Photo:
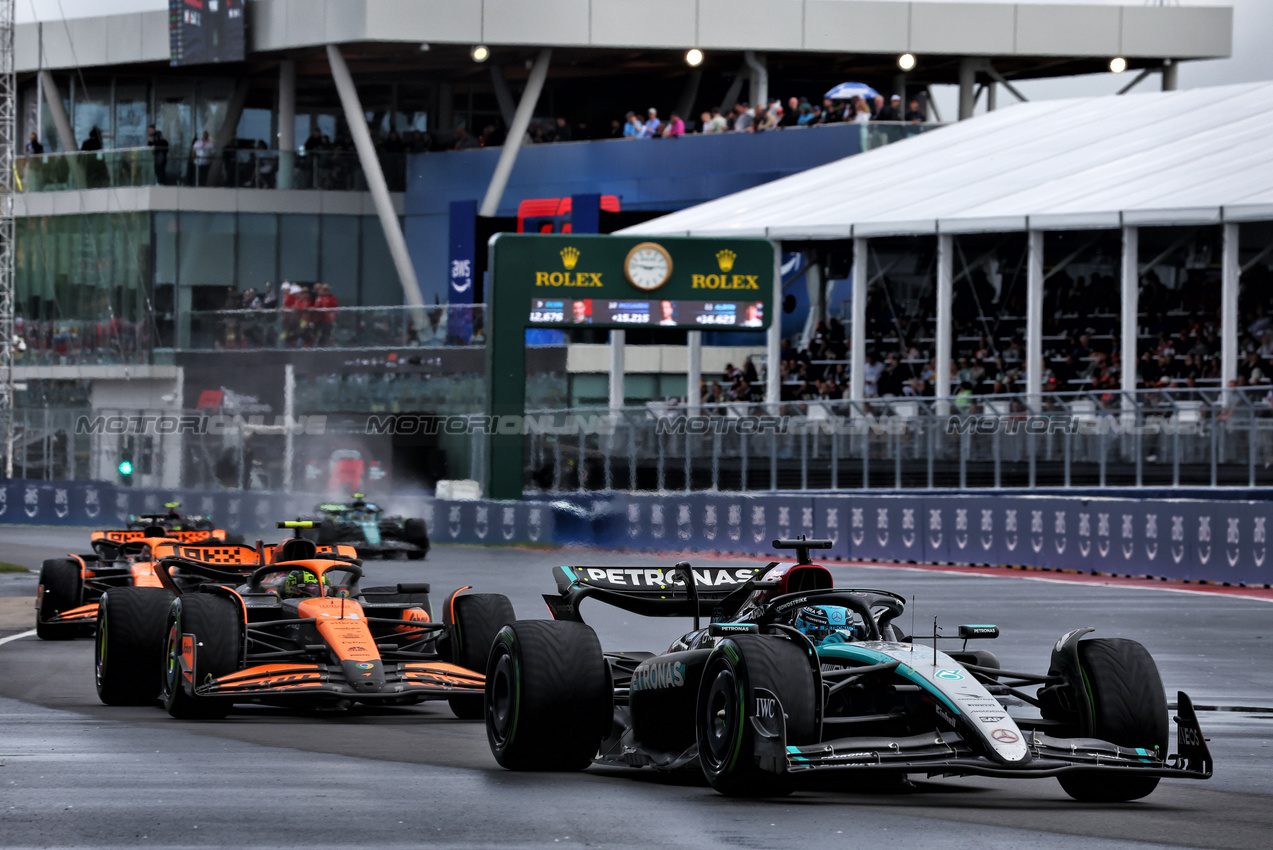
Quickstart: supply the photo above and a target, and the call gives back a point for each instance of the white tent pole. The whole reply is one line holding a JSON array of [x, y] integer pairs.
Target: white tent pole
[[1034, 320], [1229, 329], [773, 347], [1130, 324], [857, 328], [945, 288]]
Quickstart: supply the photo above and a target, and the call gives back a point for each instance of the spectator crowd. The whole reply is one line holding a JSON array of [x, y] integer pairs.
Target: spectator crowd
[[306, 317], [1178, 347]]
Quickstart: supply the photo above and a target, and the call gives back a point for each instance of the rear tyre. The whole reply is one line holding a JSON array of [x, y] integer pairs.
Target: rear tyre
[[216, 624], [727, 702], [475, 619], [63, 590], [128, 651], [1129, 708], [414, 531], [326, 532], [549, 702]]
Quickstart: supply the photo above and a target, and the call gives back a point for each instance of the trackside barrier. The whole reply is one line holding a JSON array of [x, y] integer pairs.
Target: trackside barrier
[[90, 503], [1194, 539], [1218, 541]]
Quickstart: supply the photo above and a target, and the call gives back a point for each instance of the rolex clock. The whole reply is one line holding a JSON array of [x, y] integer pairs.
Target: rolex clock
[[648, 266]]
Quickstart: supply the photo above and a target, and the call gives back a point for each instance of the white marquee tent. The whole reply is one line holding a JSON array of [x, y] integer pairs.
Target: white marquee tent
[[1196, 157]]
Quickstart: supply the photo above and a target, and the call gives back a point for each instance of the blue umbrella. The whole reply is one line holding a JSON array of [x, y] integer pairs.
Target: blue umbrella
[[844, 91]]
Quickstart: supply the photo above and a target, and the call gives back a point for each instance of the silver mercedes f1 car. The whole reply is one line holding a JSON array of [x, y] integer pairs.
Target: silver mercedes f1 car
[[795, 677]]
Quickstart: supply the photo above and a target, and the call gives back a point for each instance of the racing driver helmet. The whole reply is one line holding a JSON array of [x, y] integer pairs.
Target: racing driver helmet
[[302, 583], [819, 622]]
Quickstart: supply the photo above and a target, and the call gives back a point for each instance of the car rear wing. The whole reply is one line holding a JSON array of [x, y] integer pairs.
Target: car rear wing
[[137, 535], [654, 591]]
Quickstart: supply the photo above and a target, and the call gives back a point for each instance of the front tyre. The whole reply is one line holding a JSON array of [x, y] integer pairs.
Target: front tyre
[[474, 619], [549, 702], [1129, 708], [215, 626], [730, 696], [129, 646], [62, 589]]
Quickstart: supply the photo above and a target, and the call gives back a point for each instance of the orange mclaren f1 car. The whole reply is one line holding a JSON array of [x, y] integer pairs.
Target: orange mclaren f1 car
[[296, 630], [70, 587]]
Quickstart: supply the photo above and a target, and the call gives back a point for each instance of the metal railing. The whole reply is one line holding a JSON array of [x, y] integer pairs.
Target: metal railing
[[1088, 439], [235, 168], [341, 327], [1073, 440]]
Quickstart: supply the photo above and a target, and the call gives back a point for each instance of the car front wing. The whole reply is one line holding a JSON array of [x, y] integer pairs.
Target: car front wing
[[422, 679], [950, 754]]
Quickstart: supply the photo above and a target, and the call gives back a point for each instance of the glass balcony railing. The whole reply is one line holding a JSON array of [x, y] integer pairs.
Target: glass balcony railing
[[81, 342], [234, 168], [340, 328]]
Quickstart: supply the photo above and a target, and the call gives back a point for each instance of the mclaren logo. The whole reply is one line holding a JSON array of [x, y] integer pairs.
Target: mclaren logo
[[666, 674]]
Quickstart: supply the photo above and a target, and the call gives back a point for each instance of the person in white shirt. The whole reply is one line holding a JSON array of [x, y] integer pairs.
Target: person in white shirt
[[203, 150]]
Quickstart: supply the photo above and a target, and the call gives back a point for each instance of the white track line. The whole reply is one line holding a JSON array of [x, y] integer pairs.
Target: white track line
[[18, 636], [1030, 575]]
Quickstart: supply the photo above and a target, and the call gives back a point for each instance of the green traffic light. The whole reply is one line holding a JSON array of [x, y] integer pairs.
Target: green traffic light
[[125, 467]]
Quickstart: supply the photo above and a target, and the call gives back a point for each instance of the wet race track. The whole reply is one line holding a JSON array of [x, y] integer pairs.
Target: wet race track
[[74, 772]]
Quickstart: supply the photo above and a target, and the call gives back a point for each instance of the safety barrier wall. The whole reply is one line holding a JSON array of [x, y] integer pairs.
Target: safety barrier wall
[[1219, 541], [89, 503], [1195, 539]]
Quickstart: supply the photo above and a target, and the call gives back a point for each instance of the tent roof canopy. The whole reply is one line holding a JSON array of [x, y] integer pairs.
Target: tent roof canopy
[[1192, 157]]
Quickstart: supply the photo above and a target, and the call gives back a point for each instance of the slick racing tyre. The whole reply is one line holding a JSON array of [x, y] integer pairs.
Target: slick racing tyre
[[474, 619], [63, 588], [415, 532], [549, 702], [128, 651], [327, 533], [738, 673], [1129, 708], [216, 624]]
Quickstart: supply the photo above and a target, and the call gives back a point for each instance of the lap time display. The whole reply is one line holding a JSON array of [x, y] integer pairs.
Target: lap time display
[[710, 315]]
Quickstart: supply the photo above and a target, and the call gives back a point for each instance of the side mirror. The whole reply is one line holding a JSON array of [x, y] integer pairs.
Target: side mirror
[[978, 631]]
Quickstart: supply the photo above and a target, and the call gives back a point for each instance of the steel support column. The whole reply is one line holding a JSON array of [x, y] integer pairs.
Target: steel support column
[[857, 327], [286, 122], [1130, 325], [1229, 330], [357, 121], [1169, 75], [693, 371], [618, 346], [759, 81], [53, 97], [1034, 319], [516, 133], [503, 96], [967, 83], [945, 296]]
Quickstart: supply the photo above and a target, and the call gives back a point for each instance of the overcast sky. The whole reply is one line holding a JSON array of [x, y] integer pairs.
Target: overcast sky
[[1252, 58]]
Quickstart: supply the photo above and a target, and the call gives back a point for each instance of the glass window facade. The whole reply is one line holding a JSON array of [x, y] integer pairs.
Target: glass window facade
[[111, 265], [82, 266]]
